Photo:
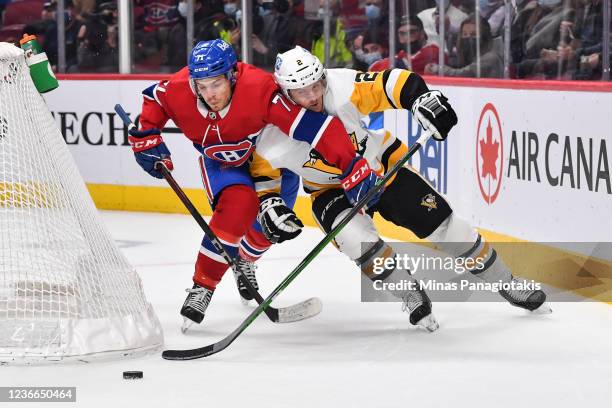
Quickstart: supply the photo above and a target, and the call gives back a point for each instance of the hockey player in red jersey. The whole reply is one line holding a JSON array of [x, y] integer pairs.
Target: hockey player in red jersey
[[221, 106]]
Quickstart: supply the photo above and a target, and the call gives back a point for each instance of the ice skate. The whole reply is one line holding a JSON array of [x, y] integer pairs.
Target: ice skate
[[531, 300], [248, 269], [195, 306], [418, 306]]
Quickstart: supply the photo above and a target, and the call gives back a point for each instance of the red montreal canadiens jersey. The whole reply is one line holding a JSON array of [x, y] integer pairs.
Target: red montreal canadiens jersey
[[229, 135]]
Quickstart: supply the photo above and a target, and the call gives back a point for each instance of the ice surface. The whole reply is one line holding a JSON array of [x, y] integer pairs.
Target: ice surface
[[352, 355]]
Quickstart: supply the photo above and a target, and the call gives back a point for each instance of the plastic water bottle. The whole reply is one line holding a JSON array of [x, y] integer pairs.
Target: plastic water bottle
[[40, 69]]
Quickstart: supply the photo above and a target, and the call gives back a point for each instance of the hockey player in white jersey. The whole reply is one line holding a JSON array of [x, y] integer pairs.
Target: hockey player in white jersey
[[408, 200]]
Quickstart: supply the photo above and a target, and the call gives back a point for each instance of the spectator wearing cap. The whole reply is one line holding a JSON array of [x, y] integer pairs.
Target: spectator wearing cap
[[422, 52], [48, 11]]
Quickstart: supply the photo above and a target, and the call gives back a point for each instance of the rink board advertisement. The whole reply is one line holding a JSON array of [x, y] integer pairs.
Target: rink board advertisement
[[531, 164]]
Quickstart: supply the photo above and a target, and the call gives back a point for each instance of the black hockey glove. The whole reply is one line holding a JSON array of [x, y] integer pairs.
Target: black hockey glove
[[435, 114], [279, 222]]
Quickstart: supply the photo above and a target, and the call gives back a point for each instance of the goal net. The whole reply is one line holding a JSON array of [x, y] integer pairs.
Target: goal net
[[66, 291]]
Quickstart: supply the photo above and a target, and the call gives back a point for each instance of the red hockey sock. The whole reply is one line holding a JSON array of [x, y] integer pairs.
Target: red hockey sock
[[253, 245], [234, 213]]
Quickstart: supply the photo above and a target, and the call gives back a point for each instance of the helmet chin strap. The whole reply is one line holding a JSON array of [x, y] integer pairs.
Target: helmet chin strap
[[288, 95]]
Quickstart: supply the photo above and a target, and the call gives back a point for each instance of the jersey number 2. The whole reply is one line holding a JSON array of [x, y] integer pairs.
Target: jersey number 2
[[366, 76]]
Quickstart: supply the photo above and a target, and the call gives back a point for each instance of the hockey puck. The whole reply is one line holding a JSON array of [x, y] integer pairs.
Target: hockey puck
[[132, 375]]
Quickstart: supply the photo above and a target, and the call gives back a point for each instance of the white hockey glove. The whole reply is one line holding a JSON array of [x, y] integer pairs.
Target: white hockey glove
[[279, 222], [434, 114]]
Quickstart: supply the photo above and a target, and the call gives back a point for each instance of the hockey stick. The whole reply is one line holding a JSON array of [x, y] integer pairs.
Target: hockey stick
[[300, 311], [229, 339]]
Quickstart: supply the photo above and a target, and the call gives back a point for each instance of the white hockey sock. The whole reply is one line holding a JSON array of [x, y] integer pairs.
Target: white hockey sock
[[458, 238]]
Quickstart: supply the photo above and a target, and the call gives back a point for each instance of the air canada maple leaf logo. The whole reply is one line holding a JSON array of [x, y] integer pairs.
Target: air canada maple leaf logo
[[489, 153]]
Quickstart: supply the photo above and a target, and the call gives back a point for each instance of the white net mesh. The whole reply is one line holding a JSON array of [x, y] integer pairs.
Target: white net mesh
[[65, 288]]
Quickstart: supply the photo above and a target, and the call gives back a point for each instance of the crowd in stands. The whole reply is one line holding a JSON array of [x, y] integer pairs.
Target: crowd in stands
[[549, 39], [90, 31]]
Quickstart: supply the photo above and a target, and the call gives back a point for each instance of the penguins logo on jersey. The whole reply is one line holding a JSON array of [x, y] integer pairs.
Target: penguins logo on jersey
[[359, 145], [317, 162], [429, 201]]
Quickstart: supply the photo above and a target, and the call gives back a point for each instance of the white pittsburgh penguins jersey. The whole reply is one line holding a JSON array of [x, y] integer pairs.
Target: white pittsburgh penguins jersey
[[350, 95]]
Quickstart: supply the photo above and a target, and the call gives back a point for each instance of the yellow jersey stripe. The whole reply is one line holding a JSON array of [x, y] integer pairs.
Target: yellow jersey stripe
[[398, 86], [369, 94]]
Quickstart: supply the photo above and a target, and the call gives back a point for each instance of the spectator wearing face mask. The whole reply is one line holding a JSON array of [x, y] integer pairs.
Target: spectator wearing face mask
[[278, 34], [373, 12], [411, 36], [367, 50], [491, 53], [232, 9]]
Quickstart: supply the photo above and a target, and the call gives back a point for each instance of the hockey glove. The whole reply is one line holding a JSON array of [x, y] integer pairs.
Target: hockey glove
[[358, 179], [279, 222], [149, 148], [434, 113]]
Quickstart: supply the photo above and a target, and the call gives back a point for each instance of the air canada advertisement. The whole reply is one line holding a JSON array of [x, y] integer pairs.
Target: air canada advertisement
[[509, 166]]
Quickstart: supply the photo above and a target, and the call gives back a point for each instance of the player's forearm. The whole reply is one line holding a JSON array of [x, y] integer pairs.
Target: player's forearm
[[414, 87], [335, 145], [152, 116]]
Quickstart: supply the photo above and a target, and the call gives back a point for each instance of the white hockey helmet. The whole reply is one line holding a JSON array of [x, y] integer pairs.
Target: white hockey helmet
[[297, 68]]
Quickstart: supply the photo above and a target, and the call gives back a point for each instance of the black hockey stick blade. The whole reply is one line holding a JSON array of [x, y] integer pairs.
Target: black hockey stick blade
[[221, 345]]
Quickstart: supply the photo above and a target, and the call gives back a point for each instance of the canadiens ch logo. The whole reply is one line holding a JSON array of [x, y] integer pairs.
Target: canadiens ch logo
[[231, 154], [157, 13], [429, 201], [489, 153]]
